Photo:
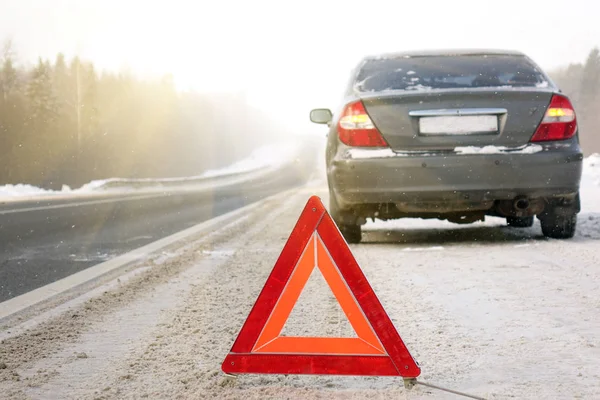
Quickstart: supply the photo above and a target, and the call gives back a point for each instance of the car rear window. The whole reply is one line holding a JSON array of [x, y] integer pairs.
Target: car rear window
[[448, 72]]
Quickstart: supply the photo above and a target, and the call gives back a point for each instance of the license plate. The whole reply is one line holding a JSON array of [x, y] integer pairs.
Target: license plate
[[458, 125]]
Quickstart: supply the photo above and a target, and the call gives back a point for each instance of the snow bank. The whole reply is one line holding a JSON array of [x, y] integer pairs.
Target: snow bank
[[591, 169], [465, 150], [432, 248], [528, 149], [22, 190], [366, 154], [270, 156]]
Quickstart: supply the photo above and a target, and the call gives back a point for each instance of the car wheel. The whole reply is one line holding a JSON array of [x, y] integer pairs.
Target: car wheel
[[352, 233], [345, 221], [559, 226], [520, 222]]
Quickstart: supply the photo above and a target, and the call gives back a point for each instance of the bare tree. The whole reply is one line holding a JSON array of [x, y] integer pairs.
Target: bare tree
[[8, 73]]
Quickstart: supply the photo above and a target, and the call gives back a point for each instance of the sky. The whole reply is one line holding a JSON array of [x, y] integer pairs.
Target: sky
[[288, 57]]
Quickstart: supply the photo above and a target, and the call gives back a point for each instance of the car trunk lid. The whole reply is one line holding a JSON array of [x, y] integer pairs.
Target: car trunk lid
[[444, 119]]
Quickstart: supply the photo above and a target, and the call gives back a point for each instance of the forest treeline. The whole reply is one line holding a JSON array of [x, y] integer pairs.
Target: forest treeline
[[64, 122], [581, 82]]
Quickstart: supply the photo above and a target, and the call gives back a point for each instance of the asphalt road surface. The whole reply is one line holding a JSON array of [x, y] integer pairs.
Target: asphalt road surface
[[44, 241]]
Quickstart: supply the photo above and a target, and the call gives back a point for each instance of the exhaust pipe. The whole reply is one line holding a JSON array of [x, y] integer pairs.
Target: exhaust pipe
[[521, 204]]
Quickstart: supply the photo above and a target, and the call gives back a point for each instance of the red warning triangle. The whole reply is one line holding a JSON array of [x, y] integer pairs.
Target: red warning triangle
[[378, 350]]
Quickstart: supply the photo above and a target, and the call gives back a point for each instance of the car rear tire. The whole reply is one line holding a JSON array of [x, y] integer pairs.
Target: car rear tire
[[520, 222], [559, 226], [344, 220], [352, 233]]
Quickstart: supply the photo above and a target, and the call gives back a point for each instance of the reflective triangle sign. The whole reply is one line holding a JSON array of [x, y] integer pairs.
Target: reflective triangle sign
[[377, 350]]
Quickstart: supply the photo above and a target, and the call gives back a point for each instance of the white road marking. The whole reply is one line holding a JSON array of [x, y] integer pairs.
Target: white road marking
[[81, 203]]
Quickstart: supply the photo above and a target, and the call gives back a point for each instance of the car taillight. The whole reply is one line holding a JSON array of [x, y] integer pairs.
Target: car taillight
[[355, 128], [559, 121]]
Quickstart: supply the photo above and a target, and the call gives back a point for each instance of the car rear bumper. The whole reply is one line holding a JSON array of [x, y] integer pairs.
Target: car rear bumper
[[452, 177]]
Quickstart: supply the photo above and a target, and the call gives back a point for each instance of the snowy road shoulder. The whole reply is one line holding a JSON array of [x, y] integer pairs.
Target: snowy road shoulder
[[486, 309]]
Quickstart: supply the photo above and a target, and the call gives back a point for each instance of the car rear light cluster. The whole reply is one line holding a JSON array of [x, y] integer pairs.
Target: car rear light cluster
[[559, 122], [356, 129]]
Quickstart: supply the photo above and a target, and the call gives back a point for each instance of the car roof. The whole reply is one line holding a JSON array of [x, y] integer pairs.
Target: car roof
[[446, 53]]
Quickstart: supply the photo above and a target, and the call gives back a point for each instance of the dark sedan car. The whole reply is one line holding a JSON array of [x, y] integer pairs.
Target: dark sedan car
[[453, 135]]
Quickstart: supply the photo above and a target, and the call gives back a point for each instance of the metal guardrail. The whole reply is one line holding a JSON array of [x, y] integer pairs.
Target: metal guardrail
[[301, 164]]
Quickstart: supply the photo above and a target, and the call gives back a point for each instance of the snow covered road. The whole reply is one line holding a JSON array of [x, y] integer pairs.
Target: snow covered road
[[486, 309]]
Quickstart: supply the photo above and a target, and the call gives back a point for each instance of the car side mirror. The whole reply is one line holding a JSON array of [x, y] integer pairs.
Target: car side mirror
[[321, 116]]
